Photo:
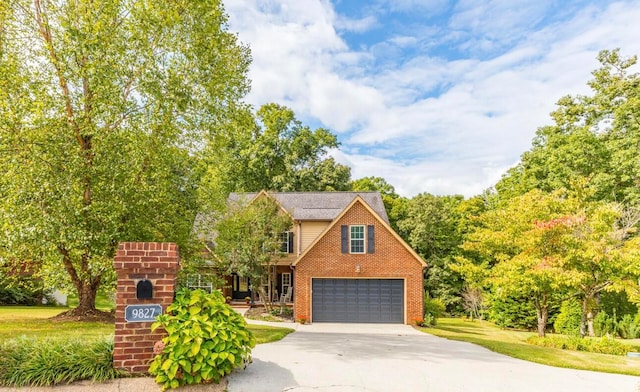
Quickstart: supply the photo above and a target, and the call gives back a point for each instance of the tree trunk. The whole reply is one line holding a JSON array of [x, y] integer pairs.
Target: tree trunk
[[583, 319], [542, 314], [86, 300]]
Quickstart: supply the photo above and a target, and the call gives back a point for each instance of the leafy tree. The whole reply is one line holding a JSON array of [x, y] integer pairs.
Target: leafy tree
[[102, 112], [275, 152], [249, 239], [521, 252], [387, 191], [431, 228], [596, 137], [602, 254]]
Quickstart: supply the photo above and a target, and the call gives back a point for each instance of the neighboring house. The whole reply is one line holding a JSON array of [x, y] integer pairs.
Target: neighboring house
[[343, 260]]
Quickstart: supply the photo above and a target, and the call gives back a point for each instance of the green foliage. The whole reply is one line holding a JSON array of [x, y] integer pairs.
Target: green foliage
[[22, 290], [48, 362], [602, 345], [595, 137], [512, 312], [206, 340], [568, 320], [101, 141], [273, 151], [616, 303], [629, 326], [604, 324], [248, 241], [433, 309], [430, 224]]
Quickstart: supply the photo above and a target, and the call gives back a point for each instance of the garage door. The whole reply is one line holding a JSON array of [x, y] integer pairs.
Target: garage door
[[358, 300]]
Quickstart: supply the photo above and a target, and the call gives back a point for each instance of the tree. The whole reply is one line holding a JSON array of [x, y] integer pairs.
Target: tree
[[102, 112], [431, 228], [378, 184], [249, 239], [596, 137], [275, 152], [602, 254], [521, 252]]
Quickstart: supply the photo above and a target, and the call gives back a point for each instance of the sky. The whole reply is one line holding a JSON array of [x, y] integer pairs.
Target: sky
[[433, 96]]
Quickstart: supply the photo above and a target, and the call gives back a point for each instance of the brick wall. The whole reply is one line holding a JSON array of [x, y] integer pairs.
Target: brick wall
[[390, 260], [159, 263]]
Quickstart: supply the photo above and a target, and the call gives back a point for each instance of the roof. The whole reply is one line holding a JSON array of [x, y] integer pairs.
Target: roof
[[384, 223], [319, 206]]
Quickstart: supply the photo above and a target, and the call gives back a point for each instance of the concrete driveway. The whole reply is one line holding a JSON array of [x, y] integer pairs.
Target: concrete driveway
[[383, 358]]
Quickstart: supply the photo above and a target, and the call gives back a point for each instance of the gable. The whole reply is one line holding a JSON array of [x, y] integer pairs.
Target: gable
[[359, 213]]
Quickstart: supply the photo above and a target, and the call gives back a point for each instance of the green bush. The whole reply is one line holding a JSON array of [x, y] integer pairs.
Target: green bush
[[569, 318], [603, 324], [603, 345], [433, 309], [206, 340], [629, 326], [29, 362]]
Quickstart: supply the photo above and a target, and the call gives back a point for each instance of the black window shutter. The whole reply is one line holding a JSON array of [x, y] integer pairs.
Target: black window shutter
[[371, 239], [290, 242], [345, 238]]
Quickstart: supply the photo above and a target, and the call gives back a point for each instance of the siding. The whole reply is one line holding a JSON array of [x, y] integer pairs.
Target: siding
[[311, 231]]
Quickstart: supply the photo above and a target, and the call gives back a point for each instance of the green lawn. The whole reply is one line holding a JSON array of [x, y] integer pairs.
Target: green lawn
[[33, 322], [512, 343]]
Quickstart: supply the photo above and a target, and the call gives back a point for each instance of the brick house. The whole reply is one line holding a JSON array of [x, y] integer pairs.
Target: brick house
[[343, 263]]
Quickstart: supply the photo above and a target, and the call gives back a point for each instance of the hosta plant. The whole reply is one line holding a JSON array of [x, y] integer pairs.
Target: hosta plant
[[206, 339]]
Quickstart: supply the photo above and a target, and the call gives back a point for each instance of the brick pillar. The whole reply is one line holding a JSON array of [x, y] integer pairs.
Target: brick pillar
[[157, 262]]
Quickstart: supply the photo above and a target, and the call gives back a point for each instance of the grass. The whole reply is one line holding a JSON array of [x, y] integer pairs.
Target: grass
[[267, 334], [512, 343], [33, 322]]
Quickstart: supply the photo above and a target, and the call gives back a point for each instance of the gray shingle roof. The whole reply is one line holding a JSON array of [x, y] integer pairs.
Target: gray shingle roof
[[320, 206]]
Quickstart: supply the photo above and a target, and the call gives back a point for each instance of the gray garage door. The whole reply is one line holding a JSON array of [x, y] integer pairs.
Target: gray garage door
[[358, 300]]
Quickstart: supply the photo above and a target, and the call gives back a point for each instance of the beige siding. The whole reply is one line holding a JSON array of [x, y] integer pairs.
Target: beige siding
[[311, 231]]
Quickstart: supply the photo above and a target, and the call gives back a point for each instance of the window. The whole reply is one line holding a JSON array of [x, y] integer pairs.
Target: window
[[356, 239], [286, 239]]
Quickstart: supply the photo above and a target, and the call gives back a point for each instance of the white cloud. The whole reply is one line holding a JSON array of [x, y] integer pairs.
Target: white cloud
[[426, 123]]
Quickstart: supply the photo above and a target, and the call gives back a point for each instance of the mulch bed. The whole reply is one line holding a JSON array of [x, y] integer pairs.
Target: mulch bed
[[93, 315], [260, 313]]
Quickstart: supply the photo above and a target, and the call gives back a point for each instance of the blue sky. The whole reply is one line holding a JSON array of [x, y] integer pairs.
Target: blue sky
[[434, 96]]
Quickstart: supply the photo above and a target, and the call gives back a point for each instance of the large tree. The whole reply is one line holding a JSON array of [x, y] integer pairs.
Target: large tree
[[594, 136], [272, 150], [103, 107]]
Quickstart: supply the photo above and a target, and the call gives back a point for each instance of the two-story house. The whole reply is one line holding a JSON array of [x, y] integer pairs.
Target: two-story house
[[343, 262]]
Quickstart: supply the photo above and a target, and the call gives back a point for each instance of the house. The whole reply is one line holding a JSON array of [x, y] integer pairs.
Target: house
[[343, 260]]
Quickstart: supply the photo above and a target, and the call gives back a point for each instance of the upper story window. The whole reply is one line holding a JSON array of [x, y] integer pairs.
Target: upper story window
[[356, 239], [286, 245]]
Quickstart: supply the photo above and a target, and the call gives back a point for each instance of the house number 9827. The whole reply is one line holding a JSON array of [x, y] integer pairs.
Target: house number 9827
[[142, 313]]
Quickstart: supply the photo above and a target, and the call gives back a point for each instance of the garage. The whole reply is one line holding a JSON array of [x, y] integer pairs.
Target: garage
[[358, 300]]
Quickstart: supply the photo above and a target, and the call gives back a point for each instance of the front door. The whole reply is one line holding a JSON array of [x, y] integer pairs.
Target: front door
[[240, 289]]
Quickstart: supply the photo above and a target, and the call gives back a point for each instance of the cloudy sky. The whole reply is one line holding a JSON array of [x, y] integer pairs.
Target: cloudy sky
[[433, 95]]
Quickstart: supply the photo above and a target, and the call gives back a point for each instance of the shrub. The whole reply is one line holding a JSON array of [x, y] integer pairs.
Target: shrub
[[603, 324], [629, 326], [206, 340], [569, 318], [433, 308], [603, 345], [29, 362]]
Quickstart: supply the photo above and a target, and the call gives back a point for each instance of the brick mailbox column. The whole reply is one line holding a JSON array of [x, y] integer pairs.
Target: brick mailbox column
[[146, 284]]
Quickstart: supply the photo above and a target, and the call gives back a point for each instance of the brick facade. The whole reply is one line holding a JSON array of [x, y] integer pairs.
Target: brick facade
[[391, 259], [135, 261]]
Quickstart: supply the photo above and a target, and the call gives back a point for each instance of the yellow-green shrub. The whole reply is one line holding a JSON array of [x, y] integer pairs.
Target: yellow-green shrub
[[206, 340]]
